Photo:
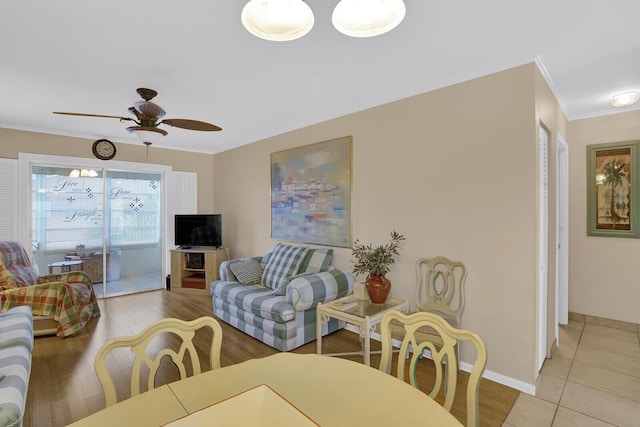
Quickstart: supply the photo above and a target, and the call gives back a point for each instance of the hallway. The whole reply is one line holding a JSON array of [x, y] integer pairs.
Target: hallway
[[593, 379]]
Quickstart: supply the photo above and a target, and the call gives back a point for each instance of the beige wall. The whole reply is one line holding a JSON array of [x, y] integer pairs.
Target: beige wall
[[603, 272], [455, 171], [13, 142]]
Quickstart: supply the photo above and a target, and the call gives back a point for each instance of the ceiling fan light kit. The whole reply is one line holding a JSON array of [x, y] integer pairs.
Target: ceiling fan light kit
[[147, 134], [284, 20]]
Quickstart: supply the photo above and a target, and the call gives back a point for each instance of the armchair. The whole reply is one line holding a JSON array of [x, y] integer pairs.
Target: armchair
[[62, 304]]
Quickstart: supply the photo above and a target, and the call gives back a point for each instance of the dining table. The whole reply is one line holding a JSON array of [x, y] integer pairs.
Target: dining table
[[328, 391]]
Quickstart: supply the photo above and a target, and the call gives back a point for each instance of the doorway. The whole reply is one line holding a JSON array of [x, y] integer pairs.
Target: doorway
[[106, 222], [543, 242], [562, 233]]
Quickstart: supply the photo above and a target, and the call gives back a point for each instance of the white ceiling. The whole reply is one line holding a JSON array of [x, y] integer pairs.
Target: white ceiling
[[90, 56]]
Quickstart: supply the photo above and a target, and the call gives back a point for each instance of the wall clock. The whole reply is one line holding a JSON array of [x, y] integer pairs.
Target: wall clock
[[104, 149]]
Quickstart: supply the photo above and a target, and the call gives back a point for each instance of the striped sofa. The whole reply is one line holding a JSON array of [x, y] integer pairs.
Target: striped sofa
[[16, 344], [280, 310]]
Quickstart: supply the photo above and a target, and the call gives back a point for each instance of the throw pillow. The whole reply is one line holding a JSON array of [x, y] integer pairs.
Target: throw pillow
[[248, 272], [284, 261], [317, 260], [265, 259]]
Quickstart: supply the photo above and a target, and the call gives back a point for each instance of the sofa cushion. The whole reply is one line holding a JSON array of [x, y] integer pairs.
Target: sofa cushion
[[16, 327], [227, 311], [256, 299], [316, 261], [284, 261], [16, 366], [282, 336], [248, 271]]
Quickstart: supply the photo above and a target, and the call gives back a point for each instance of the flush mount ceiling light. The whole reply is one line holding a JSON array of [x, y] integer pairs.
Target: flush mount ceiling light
[[367, 18], [283, 20], [625, 99], [277, 20]]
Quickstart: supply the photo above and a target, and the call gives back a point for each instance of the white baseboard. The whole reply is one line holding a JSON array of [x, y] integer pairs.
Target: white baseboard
[[490, 375], [503, 379]]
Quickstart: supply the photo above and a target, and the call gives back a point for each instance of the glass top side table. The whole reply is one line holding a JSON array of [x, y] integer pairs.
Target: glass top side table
[[363, 314]]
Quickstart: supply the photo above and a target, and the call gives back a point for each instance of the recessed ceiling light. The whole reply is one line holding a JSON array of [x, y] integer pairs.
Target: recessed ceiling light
[[625, 99]]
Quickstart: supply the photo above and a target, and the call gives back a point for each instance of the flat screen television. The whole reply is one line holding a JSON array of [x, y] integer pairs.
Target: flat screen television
[[198, 230]]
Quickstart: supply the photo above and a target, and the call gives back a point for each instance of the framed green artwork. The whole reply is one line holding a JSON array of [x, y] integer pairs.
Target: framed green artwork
[[612, 190], [311, 193]]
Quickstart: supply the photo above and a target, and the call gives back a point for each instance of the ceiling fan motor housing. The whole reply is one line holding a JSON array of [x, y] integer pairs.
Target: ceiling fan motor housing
[[146, 94], [148, 110]]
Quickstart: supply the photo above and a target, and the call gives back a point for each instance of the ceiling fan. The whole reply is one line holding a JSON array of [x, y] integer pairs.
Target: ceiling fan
[[148, 117]]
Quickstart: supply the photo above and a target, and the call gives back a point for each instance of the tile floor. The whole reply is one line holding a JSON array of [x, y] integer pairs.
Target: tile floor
[[131, 284], [593, 380]]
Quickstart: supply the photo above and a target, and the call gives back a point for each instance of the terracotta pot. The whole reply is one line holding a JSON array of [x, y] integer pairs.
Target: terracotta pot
[[378, 288]]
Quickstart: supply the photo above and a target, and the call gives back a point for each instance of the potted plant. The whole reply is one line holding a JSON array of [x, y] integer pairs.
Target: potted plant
[[376, 262]]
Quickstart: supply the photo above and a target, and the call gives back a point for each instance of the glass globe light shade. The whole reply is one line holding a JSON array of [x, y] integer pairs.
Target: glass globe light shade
[[625, 99], [367, 18], [277, 20], [147, 134]]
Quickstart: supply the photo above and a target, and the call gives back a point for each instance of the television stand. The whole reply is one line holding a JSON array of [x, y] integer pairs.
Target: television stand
[[193, 269]]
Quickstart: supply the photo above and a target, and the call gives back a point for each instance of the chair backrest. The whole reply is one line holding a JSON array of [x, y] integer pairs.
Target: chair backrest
[[443, 355], [17, 263], [440, 287], [139, 343]]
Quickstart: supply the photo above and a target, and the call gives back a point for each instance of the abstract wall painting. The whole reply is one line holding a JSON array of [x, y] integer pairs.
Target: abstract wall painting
[[311, 193]]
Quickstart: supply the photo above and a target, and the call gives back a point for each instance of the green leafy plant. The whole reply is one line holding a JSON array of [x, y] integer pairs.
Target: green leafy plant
[[613, 173], [376, 260]]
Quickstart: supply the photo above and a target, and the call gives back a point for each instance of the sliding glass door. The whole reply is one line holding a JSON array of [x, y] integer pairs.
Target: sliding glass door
[[134, 231], [105, 223]]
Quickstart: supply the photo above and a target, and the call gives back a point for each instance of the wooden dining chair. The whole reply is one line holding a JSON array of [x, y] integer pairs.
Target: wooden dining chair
[[141, 345], [440, 290], [443, 354]]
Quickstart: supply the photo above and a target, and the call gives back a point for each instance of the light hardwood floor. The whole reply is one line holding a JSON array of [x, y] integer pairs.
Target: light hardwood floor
[[63, 387]]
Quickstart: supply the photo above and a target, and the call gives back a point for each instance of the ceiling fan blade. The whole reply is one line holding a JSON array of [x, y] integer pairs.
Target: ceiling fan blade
[[191, 124], [92, 115]]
